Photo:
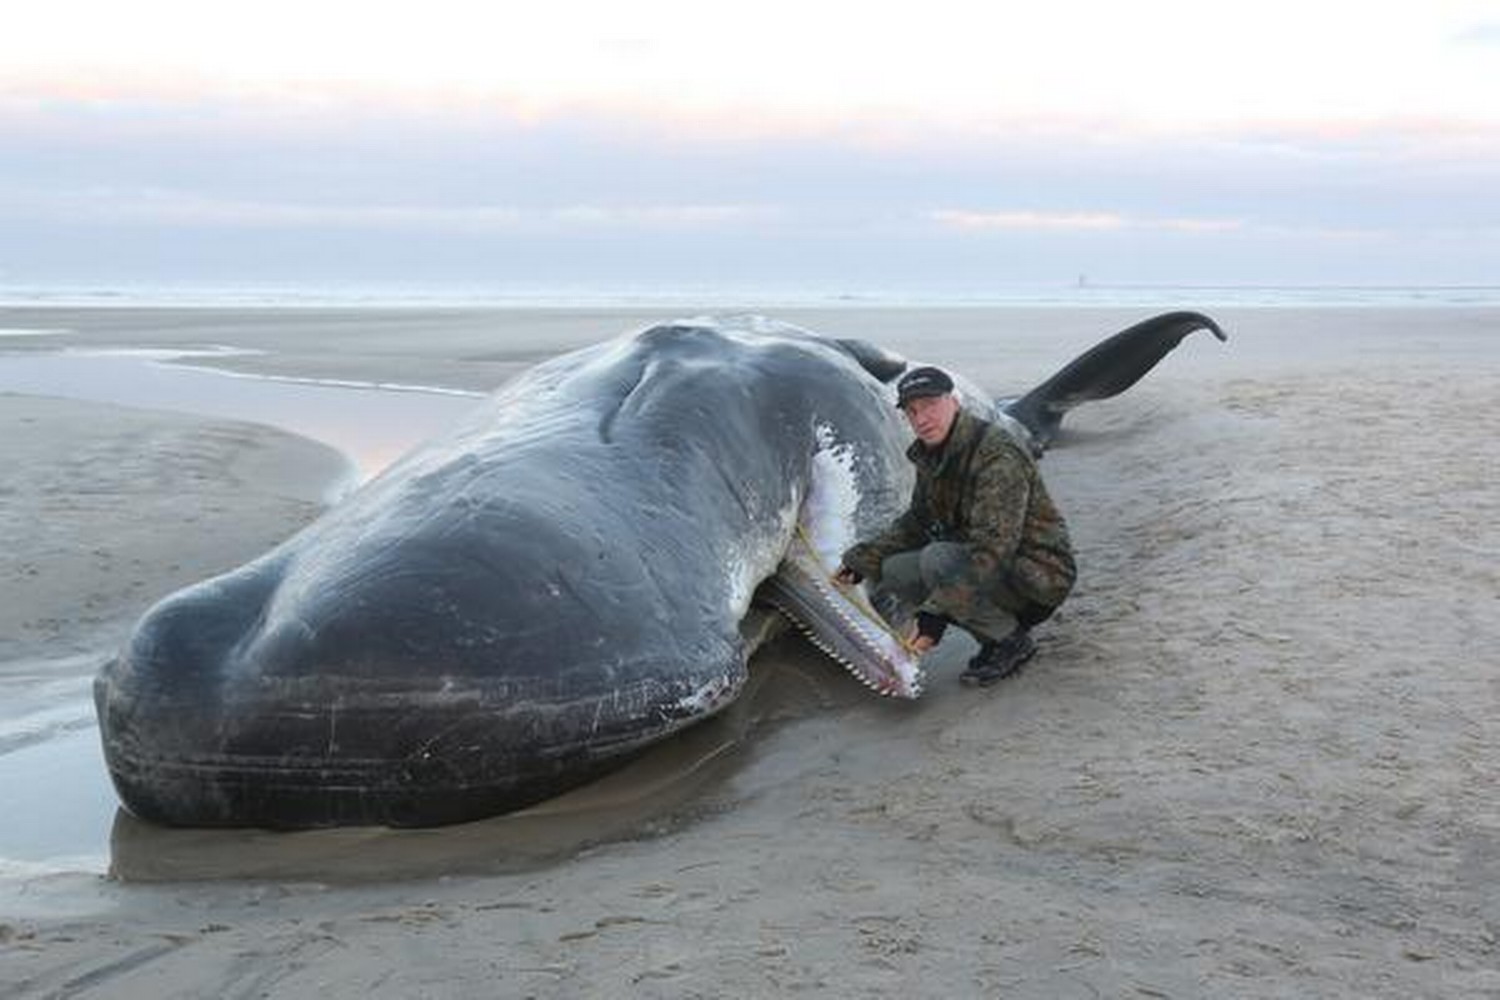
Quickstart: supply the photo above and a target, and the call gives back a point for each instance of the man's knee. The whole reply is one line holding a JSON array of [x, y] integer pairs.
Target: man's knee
[[972, 597], [1032, 613], [943, 564], [901, 574], [916, 573]]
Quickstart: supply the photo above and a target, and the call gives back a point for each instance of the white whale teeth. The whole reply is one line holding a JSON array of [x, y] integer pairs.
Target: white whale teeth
[[861, 633]]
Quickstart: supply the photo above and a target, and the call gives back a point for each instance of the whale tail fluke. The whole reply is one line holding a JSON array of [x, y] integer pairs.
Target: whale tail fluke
[[1105, 370]]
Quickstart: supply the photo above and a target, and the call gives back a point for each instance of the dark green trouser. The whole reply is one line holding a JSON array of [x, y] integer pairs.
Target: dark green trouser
[[935, 578]]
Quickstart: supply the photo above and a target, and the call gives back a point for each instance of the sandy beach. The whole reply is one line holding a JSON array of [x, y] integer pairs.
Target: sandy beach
[[1254, 757]]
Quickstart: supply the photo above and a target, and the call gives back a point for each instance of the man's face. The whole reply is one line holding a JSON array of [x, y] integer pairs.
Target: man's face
[[931, 417]]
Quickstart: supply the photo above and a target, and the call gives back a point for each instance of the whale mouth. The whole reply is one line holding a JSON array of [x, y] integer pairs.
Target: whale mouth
[[842, 622], [837, 619]]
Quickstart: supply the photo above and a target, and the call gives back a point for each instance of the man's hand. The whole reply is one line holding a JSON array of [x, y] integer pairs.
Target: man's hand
[[846, 577], [918, 641], [926, 632]]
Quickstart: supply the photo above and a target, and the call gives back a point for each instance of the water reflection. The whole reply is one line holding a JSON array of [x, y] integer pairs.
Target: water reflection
[[58, 794], [372, 425], [52, 773]]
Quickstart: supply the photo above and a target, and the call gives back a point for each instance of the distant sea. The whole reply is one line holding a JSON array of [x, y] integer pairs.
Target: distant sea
[[1081, 295]]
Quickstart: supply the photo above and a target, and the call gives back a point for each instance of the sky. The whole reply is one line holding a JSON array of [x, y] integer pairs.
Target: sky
[[834, 147]]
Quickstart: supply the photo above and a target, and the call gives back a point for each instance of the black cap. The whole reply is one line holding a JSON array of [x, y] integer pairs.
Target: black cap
[[920, 382]]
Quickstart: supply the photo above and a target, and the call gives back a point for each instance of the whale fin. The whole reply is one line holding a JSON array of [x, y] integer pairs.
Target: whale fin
[[1105, 370], [884, 365]]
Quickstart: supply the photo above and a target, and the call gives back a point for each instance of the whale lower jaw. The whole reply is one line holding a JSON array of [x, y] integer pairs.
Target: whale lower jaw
[[848, 630]]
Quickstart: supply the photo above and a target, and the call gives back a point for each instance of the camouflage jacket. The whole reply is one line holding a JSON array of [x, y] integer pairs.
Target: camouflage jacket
[[981, 488]]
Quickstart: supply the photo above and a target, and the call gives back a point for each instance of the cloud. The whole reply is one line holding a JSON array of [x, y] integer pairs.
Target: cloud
[[1326, 234], [1484, 33], [173, 209], [977, 221], [982, 221], [659, 216], [1082, 224], [253, 186]]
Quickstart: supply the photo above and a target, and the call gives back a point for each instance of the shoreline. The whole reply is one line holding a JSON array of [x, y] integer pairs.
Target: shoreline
[[475, 350]]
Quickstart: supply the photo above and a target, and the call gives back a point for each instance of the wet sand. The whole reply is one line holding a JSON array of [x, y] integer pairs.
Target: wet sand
[[1253, 758]]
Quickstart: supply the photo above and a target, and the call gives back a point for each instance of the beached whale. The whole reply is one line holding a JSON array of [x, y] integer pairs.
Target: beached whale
[[567, 578]]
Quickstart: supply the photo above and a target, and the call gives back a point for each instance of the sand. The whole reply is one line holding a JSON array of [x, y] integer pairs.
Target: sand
[[1253, 757], [106, 505]]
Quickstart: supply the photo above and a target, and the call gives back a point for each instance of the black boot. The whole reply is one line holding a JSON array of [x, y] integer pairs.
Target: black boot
[[997, 660]]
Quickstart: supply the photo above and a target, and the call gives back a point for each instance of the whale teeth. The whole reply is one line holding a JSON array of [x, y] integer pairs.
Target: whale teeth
[[857, 630]]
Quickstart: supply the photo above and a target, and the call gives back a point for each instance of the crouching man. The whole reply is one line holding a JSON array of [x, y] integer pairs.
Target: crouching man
[[981, 546]]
